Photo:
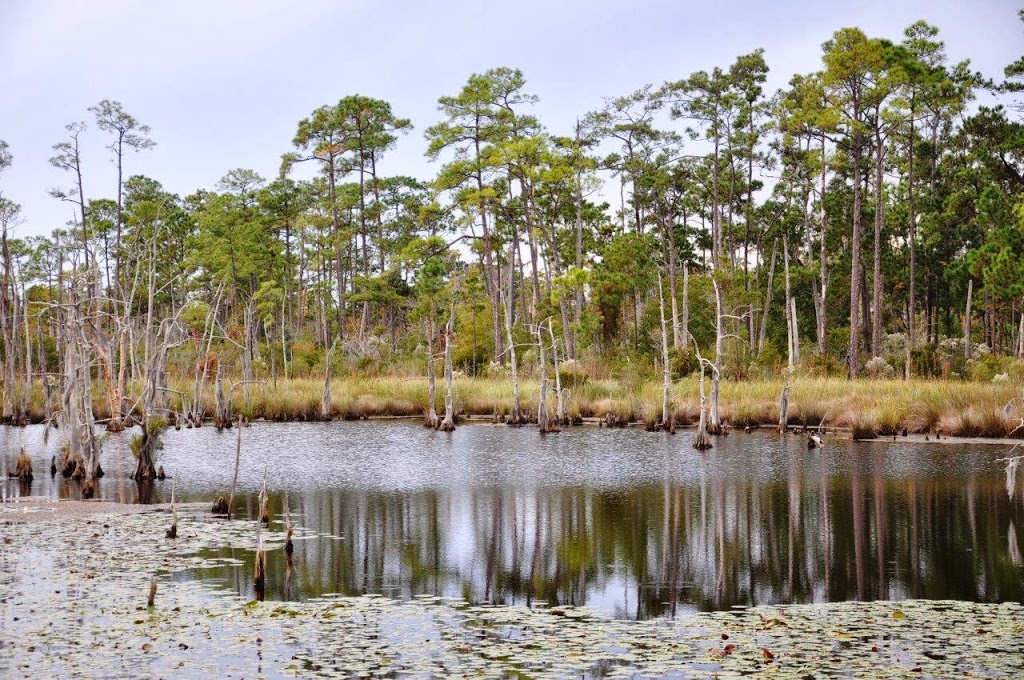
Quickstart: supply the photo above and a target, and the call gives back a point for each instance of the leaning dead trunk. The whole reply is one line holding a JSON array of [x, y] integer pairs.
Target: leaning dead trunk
[[448, 423]]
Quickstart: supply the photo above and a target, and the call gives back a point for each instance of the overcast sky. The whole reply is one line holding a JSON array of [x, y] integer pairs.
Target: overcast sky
[[224, 83]]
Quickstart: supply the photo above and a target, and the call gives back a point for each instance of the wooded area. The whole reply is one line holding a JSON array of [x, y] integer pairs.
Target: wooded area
[[866, 220]]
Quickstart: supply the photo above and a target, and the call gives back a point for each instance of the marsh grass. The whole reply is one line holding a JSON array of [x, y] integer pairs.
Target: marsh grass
[[885, 406]]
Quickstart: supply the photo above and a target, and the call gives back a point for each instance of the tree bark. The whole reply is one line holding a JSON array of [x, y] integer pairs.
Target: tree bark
[[767, 297], [967, 320], [667, 418], [448, 423]]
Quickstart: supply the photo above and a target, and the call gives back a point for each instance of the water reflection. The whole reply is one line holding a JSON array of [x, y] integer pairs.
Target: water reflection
[[634, 524]]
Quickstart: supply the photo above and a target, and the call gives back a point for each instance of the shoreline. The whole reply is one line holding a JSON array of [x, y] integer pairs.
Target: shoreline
[[869, 409]]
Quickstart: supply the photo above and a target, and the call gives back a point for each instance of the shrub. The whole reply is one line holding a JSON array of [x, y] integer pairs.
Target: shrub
[[879, 368]]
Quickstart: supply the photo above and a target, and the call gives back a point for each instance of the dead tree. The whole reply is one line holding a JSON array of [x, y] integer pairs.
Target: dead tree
[[448, 422], [154, 392], [784, 408], [715, 426], [542, 403], [16, 384], [81, 448], [222, 401], [702, 441], [194, 413], [792, 330], [325, 400], [431, 419], [667, 418], [515, 416], [561, 417]]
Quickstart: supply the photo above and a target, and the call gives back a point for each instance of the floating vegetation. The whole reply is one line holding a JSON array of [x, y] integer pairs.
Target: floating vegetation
[[75, 605]]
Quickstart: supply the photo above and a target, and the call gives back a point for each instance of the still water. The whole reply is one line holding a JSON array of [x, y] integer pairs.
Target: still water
[[630, 523]]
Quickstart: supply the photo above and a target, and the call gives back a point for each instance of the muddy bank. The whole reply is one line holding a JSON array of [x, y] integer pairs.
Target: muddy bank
[[73, 596]]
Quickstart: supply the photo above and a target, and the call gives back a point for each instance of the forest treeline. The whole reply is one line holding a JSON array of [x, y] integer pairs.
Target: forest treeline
[[866, 219]]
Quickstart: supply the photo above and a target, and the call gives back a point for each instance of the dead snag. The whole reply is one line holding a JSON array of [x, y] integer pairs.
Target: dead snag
[[448, 423], [432, 420], [784, 409], [234, 481], [173, 531]]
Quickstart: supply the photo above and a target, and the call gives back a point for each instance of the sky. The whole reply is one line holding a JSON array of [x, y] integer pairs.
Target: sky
[[224, 83]]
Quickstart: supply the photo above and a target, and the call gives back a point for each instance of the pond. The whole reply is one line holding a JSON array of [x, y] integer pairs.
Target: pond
[[631, 524]]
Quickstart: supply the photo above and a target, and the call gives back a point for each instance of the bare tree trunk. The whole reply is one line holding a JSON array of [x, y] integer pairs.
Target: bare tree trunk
[[667, 418], [325, 402], [432, 419], [203, 365], [967, 320], [448, 423], [856, 276], [515, 416], [684, 322], [222, 399], [702, 441], [822, 309], [876, 296], [1020, 334], [715, 426], [81, 460], [561, 417], [791, 332], [784, 408], [767, 298], [247, 355], [27, 390], [677, 337], [542, 401]]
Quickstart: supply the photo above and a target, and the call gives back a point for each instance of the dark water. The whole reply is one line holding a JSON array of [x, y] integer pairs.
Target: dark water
[[631, 523]]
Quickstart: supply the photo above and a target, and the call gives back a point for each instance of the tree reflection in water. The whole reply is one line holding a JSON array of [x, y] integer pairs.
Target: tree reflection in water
[[664, 550], [631, 523]]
